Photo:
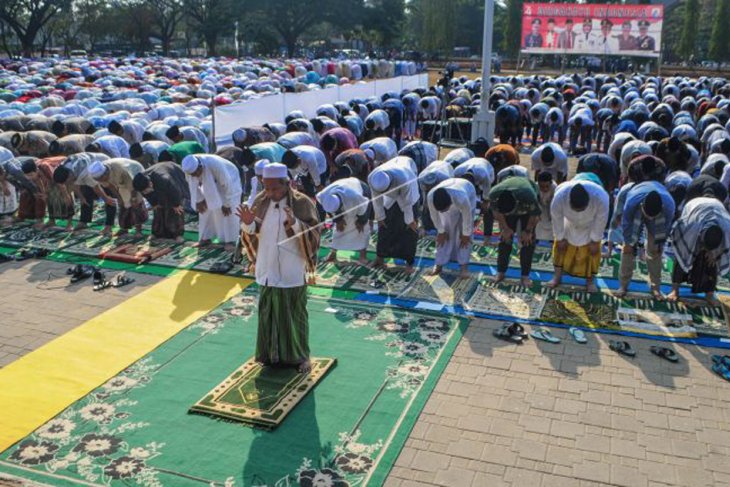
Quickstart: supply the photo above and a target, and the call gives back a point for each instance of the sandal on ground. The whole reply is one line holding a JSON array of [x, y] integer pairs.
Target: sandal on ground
[[121, 280], [721, 359], [722, 371], [665, 353], [624, 348], [100, 282], [80, 272], [503, 333], [544, 334], [578, 334]]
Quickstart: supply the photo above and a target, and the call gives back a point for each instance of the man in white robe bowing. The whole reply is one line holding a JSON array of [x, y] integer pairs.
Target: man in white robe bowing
[[395, 203], [452, 205], [348, 202], [215, 192], [280, 234]]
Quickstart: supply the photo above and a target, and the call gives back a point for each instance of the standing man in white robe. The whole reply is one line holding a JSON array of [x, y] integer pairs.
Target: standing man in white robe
[[348, 201], [452, 204], [215, 190]]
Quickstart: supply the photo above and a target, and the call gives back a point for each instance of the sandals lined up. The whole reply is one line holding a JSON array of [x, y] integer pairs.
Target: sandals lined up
[[515, 333]]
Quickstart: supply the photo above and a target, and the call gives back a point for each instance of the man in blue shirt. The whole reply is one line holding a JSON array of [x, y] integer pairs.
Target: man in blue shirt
[[648, 205]]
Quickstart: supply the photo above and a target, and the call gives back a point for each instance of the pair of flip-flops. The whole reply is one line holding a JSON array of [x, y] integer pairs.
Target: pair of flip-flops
[[511, 332], [544, 334], [721, 366], [578, 335], [101, 283], [221, 267], [666, 353], [625, 348], [79, 272], [622, 347]]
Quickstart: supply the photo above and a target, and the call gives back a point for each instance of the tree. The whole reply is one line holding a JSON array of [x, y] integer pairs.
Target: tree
[[293, 18], [26, 18], [210, 18], [166, 15], [688, 39], [384, 21], [513, 28], [720, 37], [439, 25]]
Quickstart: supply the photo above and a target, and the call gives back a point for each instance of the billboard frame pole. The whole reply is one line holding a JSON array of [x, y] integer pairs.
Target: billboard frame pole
[[483, 120]]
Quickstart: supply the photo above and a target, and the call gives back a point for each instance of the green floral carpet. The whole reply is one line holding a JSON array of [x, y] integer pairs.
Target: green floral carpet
[[136, 430]]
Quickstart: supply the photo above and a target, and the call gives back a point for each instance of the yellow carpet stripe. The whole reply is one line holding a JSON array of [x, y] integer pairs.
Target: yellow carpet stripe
[[38, 386]]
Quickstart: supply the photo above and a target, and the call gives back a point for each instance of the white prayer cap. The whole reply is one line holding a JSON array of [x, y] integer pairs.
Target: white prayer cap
[[379, 181], [190, 164], [97, 169], [275, 170], [239, 136], [258, 168], [369, 153], [330, 202]]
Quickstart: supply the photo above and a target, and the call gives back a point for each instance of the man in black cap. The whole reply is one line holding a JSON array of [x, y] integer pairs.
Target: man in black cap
[[516, 207], [648, 206], [645, 42], [165, 188], [701, 247]]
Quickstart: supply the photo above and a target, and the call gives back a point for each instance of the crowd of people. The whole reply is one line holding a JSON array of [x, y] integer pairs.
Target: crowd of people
[[652, 170]]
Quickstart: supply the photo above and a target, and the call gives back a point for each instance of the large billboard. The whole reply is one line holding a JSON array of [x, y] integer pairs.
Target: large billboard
[[563, 28]]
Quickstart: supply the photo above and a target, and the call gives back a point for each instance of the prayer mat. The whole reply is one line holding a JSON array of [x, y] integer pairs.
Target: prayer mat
[[92, 243], [261, 396], [447, 288], [505, 299], [638, 313], [349, 275], [137, 253], [28, 237], [135, 429], [212, 255], [181, 256]]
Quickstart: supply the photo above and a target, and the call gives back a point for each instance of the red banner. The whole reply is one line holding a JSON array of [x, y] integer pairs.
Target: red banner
[[605, 29]]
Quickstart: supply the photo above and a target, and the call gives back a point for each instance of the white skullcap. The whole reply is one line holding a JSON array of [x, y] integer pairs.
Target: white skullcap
[[239, 136], [275, 170], [97, 169], [330, 202], [258, 168], [369, 153], [190, 164], [379, 181]]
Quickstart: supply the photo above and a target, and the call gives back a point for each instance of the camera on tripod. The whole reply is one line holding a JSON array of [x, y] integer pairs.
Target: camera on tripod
[[447, 75]]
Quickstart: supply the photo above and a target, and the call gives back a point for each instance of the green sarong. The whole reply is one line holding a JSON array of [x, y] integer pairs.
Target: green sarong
[[283, 333]]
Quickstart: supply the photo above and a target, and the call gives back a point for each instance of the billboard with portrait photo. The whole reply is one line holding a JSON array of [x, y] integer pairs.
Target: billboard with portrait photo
[[592, 29]]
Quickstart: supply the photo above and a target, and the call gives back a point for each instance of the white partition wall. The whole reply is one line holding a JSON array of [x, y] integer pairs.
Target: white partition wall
[[274, 108]]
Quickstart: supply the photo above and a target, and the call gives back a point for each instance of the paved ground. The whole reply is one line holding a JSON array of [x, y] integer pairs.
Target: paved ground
[[37, 304], [531, 415], [569, 415]]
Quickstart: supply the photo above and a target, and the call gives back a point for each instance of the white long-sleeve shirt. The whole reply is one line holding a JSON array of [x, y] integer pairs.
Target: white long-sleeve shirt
[[113, 146], [225, 177], [482, 171], [463, 198], [194, 134], [350, 192], [579, 227], [383, 148], [279, 259], [313, 162], [435, 173], [403, 188], [559, 164]]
